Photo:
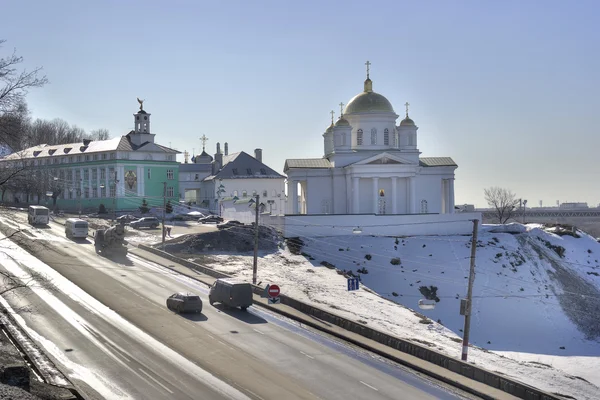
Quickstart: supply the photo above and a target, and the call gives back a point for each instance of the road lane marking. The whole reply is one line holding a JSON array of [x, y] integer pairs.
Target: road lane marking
[[154, 379], [367, 385], [221, 343], [309, 356], [161, 285], [210, 336], [254, 394], [256, 330], [117, 351]]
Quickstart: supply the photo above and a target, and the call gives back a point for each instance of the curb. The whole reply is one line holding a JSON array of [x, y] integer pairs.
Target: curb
[[524, 391]]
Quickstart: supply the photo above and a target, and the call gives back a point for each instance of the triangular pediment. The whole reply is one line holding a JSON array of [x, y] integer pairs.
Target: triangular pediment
[[383, 159], [150, 147]]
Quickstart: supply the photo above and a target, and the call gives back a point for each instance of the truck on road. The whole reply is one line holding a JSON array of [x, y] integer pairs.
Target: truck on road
[[111, 241]]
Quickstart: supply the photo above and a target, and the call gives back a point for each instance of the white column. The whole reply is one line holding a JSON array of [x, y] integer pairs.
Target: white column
[[375, 195], [394, 195], [348, 193], [451, 194], [412, 182], [355, 196], [121, 179], [294, 197], [444, 197], [106, 183]]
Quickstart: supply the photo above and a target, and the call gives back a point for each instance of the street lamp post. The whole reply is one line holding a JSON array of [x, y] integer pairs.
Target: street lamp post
[[116, 182]]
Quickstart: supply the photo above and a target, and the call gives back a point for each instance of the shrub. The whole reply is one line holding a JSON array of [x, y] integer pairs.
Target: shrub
[[362, 270], [430, 293], [395, 261], [394, 294], [102, 209], [144, 209], [367, 256]]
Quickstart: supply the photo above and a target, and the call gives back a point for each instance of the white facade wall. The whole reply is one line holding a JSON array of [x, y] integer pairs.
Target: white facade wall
[[429, 188], [380, 225], [274, 187]]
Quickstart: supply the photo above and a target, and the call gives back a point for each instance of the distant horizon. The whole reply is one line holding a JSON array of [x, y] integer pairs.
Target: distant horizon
[[508, 90]]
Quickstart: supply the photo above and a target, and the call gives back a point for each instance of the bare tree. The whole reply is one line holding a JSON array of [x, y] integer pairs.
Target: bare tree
[[99, 134], [503, 202], [14, 85]]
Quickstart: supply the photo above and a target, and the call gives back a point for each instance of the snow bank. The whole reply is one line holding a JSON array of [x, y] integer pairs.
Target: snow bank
[[524, 314]]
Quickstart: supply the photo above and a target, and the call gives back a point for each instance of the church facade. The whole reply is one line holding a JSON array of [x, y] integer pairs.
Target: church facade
[[371, 165]]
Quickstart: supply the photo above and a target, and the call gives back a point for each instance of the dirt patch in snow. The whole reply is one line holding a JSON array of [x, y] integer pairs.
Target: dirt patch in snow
[[238, 239]]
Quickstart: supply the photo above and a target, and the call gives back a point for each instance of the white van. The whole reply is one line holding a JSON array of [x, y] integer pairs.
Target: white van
[[76, 228], [38, 215]]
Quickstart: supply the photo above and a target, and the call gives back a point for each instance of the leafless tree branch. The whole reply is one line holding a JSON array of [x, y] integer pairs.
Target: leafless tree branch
[[503, 202]]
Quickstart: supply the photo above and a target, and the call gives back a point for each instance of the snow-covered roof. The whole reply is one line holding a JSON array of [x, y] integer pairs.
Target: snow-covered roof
[[121, 143]]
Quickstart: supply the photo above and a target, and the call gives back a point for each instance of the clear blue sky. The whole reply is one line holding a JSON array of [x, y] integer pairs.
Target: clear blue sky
[[509, 89]]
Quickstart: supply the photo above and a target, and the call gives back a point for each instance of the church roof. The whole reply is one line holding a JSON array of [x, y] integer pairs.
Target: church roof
[[306, 163], [241, 165], [437, 162]]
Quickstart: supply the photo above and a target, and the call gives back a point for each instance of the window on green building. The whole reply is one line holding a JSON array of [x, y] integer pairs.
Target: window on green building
[[170, 174]]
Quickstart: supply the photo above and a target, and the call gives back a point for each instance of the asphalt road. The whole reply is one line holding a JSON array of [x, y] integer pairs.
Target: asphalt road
[[228, 353]]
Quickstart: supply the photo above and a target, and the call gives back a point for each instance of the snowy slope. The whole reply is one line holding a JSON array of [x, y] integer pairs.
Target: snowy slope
[[528, 303]]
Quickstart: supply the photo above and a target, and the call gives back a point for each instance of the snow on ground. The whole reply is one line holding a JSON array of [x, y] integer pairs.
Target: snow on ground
[[529, 314], [21, 264]]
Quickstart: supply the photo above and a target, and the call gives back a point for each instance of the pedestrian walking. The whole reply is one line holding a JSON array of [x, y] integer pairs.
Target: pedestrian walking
[[169, 231]]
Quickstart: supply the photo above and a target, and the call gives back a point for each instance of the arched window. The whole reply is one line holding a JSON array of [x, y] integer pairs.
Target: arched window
[[235, 193], [359, 137], [373, 136], [386, 137], [244, 193]]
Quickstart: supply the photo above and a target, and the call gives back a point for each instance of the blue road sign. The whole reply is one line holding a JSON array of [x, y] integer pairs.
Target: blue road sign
[[353, 284]]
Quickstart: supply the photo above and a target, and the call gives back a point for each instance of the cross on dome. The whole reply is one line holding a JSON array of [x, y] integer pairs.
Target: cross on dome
[[203, 139], [406, 105], [341, 109], [332, 115], [368, 64]]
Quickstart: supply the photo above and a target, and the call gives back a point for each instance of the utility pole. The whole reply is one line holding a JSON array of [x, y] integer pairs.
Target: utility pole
[[115, 198], [164, 211], [467, 328], [255, 263]]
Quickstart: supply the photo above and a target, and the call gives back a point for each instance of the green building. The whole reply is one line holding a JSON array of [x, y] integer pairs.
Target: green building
[[118, 173]]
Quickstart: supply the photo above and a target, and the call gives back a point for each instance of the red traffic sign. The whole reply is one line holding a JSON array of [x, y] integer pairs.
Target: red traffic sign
[[273, 291]]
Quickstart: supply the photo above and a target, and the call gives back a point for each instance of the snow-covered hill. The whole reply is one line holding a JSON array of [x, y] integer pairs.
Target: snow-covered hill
[[536, 296]]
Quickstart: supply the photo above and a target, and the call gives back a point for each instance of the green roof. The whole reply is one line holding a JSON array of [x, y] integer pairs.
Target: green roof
[[437, 162]]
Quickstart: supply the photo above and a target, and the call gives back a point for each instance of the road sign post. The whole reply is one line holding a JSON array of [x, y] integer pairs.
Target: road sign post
[[273, 293], [353, 284]]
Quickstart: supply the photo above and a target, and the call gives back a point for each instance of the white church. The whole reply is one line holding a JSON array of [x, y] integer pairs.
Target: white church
[[371, 165]]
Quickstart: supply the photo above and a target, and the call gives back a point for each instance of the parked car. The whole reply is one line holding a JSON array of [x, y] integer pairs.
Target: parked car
[[231, 293], [127, 218], [181, 302], [146, 222], [211, 219]]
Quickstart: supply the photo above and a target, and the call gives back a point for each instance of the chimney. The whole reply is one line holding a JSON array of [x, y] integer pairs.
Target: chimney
[[258, 154], [217, 163], [226, 149], [218, 148]]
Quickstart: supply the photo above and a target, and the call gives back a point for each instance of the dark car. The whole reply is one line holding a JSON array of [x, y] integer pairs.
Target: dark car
[[231, 293], [211, 219], [146, 222], [182, 303]]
